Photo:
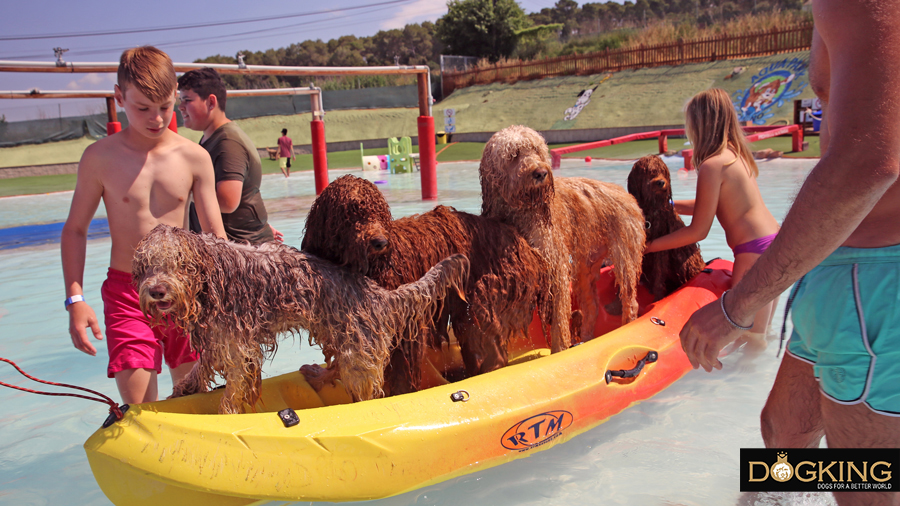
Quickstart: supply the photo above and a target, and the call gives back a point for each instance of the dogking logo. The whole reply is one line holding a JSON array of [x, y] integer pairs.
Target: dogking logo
[[782, 471], [826, 470]]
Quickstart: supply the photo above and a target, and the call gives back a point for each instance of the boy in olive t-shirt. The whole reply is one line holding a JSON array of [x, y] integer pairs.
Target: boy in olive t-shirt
[[235, 159], [236, 162]]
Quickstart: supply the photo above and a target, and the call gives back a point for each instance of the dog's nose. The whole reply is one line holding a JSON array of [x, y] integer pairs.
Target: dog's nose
[[539, 174], [379, 243], [157, 292]]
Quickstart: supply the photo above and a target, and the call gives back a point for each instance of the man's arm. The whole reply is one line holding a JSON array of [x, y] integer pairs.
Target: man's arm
[[73, 245], [820, 82], [228, 195], [205, 201], [232, 166], [861, 162]]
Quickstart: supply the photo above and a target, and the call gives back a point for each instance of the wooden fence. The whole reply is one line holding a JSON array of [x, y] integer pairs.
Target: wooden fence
[[724, 47]]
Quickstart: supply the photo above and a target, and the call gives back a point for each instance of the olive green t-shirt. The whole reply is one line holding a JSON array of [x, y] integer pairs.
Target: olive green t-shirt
[[235, 158]]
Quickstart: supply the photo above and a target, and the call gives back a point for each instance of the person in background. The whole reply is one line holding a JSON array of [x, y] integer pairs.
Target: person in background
[[235, 159], [285, 153], [144, 175], [840, 244]]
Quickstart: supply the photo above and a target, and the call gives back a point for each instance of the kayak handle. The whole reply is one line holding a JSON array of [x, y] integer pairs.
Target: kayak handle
[[651, 357]]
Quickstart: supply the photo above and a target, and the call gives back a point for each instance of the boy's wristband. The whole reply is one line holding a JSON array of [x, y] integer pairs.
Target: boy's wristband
[[73, 299]]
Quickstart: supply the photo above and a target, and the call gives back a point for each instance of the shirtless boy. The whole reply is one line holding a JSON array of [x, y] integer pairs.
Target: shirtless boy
[[839, 377], [145, 175]]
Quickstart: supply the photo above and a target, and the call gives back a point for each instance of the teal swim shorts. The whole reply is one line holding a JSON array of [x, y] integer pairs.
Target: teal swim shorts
[[846, 315]]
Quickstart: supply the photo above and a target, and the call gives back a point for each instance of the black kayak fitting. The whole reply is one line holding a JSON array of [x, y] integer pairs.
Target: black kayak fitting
[[651, 357]]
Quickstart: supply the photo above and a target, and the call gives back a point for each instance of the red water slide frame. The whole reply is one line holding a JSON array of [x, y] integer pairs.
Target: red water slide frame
[[757, 133], [424, 123]]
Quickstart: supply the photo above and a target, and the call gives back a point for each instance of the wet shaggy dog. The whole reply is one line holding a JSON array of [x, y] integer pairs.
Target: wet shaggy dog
[[576, 223], [663, 272], [234, 300], [350, 224]]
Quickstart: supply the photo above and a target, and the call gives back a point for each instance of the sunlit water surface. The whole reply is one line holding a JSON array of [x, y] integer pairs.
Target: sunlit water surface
[[680, 447]]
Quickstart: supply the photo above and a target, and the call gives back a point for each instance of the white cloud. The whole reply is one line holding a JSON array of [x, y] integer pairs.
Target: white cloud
[[416, 12], [92, 81]]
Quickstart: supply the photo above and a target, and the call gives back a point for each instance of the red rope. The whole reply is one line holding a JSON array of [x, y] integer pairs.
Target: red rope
[[114, 407]]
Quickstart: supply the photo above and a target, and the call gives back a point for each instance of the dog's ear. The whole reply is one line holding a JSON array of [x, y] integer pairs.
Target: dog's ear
[[637, 182], [633, 185]]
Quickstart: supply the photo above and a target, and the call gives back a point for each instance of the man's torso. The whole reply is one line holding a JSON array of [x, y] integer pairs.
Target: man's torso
[[284, 146], [880, 227]]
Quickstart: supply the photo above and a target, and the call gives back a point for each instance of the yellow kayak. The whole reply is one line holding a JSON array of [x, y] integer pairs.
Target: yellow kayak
[[181, 452]]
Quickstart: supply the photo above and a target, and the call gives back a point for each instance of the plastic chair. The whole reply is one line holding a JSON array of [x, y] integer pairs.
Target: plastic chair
[[400, 154]]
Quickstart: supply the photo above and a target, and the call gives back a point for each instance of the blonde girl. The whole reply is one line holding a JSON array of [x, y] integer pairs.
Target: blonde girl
[[727, 190]]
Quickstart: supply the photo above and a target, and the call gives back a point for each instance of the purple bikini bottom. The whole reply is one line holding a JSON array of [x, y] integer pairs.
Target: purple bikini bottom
[[757, 246]]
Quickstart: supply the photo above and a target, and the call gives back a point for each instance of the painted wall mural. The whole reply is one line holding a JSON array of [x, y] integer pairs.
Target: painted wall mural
[[770, 88]]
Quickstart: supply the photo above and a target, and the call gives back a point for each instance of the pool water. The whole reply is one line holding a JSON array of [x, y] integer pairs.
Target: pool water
[[680, 447]]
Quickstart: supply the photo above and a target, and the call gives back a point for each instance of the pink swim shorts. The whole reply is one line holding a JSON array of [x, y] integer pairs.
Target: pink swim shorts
[[131, 341]]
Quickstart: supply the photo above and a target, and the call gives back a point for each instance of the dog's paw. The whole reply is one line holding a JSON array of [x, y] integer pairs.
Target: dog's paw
[[318, 376], [614, 308], [187, 387], [575, 323]]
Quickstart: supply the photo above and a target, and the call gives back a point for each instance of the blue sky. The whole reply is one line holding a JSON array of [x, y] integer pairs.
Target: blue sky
[[278, 24]]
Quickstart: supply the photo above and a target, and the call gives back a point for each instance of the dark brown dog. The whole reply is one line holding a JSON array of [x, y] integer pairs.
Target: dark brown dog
[[663, 272], [350, 224]]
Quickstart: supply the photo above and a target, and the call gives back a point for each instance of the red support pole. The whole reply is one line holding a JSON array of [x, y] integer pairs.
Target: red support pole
[[112, 121], [173, 125], [797, 140], [427, 158], [555, 159], [320, 159], [688, 155], [663, 143]]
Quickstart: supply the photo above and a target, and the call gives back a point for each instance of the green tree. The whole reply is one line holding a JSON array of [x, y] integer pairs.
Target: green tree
[[545, 17], [566, 13], [616, 13], [346, 51], [308, 53], [536, 40], [481, 28]]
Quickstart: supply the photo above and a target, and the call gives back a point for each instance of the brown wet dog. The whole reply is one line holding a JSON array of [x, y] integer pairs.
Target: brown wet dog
[[663, 271], [350, 224], [576, 223], [235, 300]]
